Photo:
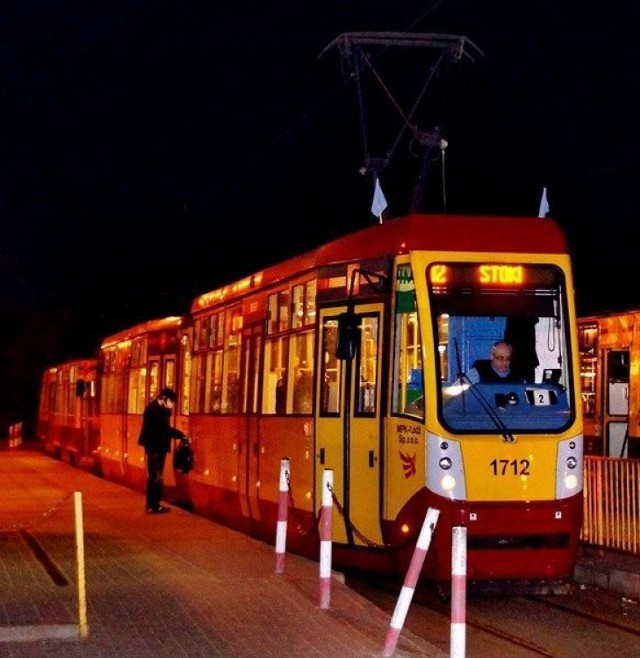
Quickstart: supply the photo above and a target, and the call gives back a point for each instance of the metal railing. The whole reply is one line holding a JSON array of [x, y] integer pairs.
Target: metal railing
[[612, 503]]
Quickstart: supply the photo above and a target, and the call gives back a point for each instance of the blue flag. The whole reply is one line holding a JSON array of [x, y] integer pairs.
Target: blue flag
[[544, 204], [379, 201]]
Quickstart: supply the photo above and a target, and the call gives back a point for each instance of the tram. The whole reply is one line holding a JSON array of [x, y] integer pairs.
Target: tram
[[609, 348], [354, 358], [68, 413], [135, 364]]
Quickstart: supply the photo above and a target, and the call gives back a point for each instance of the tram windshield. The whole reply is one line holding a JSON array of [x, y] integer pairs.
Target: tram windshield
[[502, 346]]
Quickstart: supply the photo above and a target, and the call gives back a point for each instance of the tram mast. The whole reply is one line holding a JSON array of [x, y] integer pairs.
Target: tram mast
[[355, 49]]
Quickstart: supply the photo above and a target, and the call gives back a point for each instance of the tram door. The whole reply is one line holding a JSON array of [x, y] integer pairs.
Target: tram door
[[615, 409], [248, 433], [348, 425], [162, 374]]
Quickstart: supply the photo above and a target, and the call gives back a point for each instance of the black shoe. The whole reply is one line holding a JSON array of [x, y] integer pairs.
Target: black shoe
[[158, 510]]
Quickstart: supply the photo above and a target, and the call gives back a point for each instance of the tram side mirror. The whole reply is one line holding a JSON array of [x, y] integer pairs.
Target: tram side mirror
[[80, 388], [348, 335]]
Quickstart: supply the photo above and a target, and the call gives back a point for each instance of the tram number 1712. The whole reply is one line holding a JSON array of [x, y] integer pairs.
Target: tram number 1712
[[510, 466]]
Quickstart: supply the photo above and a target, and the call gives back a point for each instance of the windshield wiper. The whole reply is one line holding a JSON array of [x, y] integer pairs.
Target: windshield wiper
[[484, 403], [486, 406]]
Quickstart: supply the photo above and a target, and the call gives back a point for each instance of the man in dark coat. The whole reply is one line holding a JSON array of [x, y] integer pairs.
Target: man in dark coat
[[155, 435]]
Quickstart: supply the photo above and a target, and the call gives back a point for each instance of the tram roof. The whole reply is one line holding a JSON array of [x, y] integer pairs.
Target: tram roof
[[405, 234], [83, 364], [611, 315], [160, 324]]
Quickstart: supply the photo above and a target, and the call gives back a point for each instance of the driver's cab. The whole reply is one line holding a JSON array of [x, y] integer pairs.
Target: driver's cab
[[472, 317]]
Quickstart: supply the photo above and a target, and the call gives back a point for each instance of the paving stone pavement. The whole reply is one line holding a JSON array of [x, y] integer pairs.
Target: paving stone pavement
[[178, 584], [158, 585]]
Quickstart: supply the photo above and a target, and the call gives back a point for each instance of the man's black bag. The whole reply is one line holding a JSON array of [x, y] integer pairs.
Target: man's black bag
[[183, 457]]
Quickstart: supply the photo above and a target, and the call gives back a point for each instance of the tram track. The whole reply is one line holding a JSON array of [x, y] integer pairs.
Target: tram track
[[496, 632], [585, 622], [586, 615]]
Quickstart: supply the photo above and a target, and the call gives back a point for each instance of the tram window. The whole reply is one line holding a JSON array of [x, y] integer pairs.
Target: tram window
[[207, 382], [278, 312], [81, 388], [213, 329], [368, 366], [207, 379], [186, 375], [302, 368], [274, 388], [310, 302], [288, 363], [138, 385], [528, 311], [304, 304], [331, 369], [230, 384], [220, 319], [216, 382], [588, 344], [197, 382], [170, 373], [408, 391], [231, 379], [202, 331], [618, 366], [251, 386], [349, 326], [154, 379]]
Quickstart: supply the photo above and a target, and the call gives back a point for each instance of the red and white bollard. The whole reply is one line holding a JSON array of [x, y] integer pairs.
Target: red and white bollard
[[410, 581], [283, 507], [325, 538], [458, 591]]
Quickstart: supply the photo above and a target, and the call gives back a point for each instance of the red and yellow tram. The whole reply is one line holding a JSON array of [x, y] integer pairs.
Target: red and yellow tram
[[354, 357], [68, 413], [609, 356], [135, 365]]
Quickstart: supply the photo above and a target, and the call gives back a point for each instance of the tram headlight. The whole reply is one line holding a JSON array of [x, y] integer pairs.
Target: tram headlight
[[569, 475], [571, 481], [445, 472], [448, 482]]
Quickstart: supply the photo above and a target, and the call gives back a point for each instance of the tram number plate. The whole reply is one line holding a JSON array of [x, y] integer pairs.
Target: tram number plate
[[517, 467], [541, 397]]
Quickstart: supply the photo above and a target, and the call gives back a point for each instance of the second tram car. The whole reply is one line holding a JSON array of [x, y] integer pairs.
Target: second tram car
[[354, 357], [136, 364]]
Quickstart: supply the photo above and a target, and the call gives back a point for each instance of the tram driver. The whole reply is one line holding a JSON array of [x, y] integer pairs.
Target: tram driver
[[495, 369]]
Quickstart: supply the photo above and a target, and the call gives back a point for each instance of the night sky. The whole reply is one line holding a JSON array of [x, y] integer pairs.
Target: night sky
[[153, 151]]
